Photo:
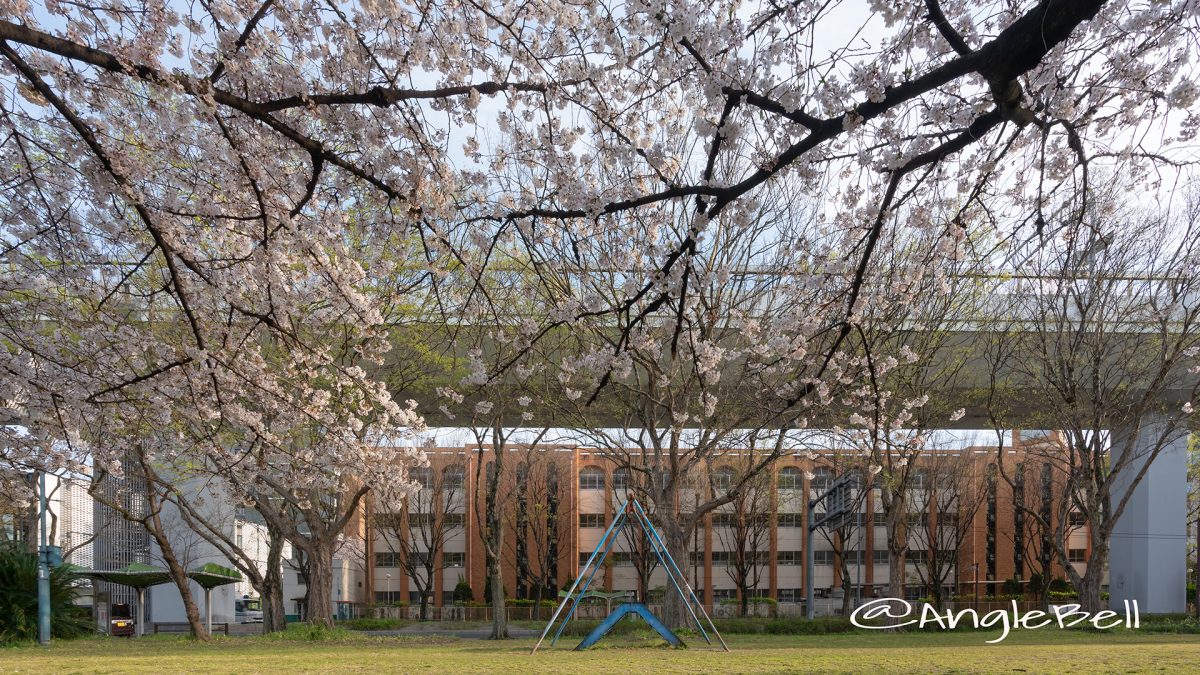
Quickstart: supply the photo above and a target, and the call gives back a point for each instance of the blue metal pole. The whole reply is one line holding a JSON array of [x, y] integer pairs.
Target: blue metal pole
[[574, 585], [43, 578], [671, 569], [699, 605], [615, 530]]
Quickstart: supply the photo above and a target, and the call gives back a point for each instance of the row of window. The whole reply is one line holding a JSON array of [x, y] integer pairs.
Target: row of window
[[396, 520], [789, 558], [722, 479], [419, 558], [414, 597], [453, 477], [786, 595], [729, 520]]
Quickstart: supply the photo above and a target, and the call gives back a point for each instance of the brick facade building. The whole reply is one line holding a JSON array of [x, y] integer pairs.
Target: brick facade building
[[965, 529]]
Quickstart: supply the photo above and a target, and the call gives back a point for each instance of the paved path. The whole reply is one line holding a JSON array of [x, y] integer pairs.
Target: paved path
[[465, 633]]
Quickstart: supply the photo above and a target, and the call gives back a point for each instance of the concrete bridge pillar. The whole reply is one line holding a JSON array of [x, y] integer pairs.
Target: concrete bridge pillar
[[1148, 561]]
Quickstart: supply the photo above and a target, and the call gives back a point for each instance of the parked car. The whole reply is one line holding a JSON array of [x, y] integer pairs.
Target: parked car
[[121, 623]]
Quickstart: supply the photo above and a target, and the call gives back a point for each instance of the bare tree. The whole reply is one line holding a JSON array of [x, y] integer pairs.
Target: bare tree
[[946, 496], [417, 526], [539, 530], [743, 526], [1116, 334]]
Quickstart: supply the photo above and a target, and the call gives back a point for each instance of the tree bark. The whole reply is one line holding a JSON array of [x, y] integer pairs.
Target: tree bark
[[175, 568], [499, 611], [320, 583], [675, 613], [271, 592], [1088, 586]]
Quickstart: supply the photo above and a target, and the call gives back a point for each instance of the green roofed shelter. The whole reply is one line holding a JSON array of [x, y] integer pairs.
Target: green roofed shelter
[[210, 576], [140, 576], [137, 576]]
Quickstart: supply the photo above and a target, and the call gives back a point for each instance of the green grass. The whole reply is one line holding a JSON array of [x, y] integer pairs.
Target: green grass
[[1042, 652]]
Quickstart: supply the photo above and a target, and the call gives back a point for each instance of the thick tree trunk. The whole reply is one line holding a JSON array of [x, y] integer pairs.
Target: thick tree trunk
[[184, 584], [424, 605], [499, 612], [274, 612], [271, 592], [675, 612], [320, 584], [1088, 586]]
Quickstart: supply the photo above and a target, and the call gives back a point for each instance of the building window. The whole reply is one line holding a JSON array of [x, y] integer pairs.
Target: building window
[[721, 558], [723, 520], [387, 597], [620, 479], [390, 520], [591, 520], [722, 480], [622, 558], [790, 595], [820, 479], [879, 557], [591, 478], [790, 520], [452, 520], [453, 478], [916, 556], [790, 558], [387, 559], [454, 559], [822, 557], [790, 478], [724, 594], [421, 476], [1077, 519], [1077, 555]]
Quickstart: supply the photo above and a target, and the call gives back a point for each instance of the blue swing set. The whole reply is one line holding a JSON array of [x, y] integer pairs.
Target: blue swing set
[[631, 510]]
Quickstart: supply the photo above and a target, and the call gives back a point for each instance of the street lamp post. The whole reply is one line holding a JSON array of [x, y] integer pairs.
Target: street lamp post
[[976, 586], [43, 575], [388, 576]]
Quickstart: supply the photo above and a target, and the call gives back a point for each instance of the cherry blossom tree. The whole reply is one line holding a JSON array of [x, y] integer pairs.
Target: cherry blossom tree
[[190, 184]]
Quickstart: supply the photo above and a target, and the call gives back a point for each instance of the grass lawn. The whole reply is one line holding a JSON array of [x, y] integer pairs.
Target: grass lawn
[[1034, 652]]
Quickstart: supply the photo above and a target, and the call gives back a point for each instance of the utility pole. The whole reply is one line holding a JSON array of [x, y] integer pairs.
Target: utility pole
[[43, 576], [977, 586]]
